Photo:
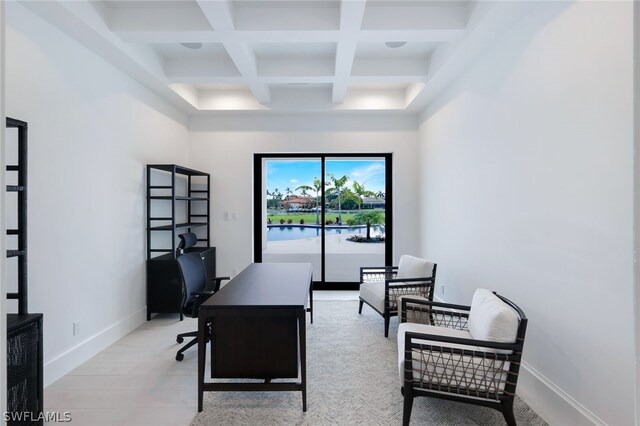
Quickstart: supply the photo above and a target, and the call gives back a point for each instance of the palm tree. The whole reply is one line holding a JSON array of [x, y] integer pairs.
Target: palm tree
[[276, 195], [361, 192], [380, 194], [317, 186], [369, 218], [338, 189]]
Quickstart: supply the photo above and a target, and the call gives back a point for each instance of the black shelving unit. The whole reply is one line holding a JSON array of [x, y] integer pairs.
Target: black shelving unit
[[194, 195], [24, 330], [164, 289]]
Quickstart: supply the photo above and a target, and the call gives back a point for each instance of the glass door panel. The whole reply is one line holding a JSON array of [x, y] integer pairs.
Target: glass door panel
[[291, 215], [355, 216]]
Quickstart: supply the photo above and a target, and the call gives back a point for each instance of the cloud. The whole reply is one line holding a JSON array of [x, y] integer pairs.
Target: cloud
[[370, 173], [293, 181]]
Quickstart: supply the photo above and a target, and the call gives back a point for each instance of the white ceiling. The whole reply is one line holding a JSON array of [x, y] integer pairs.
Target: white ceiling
[[287, 56]]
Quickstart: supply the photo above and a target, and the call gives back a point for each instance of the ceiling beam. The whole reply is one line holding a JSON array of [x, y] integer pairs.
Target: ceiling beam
[[219, 15], [351, 14], [133, 35]]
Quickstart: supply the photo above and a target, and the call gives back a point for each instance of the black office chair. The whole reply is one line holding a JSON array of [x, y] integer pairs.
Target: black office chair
[[194, 292]]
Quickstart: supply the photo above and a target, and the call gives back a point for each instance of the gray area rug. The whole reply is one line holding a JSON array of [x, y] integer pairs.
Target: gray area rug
[[352, 378]]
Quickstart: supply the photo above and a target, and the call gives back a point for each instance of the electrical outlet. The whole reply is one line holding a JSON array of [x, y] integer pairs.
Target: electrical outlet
[[76, 328], [234, 216]]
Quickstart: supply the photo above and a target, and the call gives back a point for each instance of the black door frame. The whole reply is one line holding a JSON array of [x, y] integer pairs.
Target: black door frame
[[257, 208]]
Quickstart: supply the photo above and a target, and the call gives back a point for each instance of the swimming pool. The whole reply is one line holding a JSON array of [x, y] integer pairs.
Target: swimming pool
[[296, 232]]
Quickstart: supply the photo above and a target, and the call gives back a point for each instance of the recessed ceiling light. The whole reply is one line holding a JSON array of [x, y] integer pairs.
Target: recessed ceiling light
[[395, 44], [191, 45]]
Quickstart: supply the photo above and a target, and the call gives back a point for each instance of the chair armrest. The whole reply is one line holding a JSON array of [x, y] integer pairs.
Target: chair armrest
[[215, 283], [423, 311], [198, 298], [383, 272], [201, 294], [410, 280], [458, 341], [485, 374]]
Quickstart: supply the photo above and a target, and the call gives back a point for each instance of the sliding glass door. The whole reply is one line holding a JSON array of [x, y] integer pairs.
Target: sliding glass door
[[290, 211], [331, 210], [355, 231]]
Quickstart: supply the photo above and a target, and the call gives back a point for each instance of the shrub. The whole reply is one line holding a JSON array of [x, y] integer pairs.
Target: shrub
[[281, 221], [301, 221], [328, 222], [289, 221]]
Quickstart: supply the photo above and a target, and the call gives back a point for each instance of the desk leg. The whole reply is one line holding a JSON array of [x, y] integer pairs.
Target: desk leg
[[302, 325], [202, 355], [311, 300]]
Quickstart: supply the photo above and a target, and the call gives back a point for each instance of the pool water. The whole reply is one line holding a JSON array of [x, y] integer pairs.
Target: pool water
[[292, 232]]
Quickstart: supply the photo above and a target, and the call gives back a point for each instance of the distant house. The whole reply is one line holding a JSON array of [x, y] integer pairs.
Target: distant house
[[373, 202], [295, 202]]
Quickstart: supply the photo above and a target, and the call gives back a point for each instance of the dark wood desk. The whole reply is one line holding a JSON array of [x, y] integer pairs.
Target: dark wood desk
[[258, 330]]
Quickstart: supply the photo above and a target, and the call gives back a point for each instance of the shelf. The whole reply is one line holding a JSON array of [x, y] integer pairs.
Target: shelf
[[178, 226], [178, 169], [169, 197]]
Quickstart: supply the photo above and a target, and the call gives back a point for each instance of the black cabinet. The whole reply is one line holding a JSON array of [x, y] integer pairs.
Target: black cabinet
[[177, 202], [164, 288], [24, 369]]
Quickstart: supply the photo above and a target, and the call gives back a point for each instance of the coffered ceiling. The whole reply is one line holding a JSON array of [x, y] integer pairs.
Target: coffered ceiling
[[295, 56]]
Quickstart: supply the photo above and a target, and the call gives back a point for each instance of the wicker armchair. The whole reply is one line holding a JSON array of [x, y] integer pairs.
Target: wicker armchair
[[469, 354], [383, 287]]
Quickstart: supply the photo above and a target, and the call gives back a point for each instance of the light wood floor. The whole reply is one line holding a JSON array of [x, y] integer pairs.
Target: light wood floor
[[137, 380]]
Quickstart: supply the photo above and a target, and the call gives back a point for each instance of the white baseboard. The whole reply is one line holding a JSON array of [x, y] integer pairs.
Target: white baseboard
[[552, 403], [71, 358]]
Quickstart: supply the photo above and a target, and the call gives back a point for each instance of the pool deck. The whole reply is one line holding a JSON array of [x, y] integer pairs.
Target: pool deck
[[344, 258]]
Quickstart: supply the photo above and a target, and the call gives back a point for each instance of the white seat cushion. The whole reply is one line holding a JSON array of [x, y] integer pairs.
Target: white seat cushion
[[491, 319], [373, 293], [448, 369], [414, 267]]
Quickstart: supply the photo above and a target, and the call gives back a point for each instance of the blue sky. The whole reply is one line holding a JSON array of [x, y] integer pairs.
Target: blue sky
[[291, 174]]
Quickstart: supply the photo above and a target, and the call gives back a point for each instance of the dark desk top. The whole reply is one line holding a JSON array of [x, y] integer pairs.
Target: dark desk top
[[265, 285]]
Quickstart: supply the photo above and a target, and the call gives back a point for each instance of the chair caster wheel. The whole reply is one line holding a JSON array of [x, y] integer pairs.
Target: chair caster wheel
[[179, 339], [179, 357]]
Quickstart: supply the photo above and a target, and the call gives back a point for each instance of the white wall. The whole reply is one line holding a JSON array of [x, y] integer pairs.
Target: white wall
[[527, 189], [224, 146], [91, 131]]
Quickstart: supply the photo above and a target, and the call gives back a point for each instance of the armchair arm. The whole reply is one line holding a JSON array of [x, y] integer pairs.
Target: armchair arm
[[469, 369], [434, 313], [377, 273], [395, 288], [409, 336]]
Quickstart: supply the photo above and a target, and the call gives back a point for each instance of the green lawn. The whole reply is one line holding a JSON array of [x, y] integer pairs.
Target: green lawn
[[309, 218]]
